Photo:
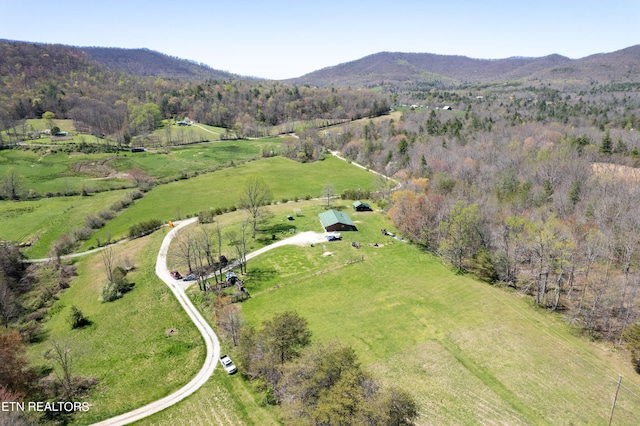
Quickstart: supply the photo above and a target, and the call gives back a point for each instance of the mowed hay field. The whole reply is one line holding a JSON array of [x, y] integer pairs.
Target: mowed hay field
[[468, 352], [41, 222]]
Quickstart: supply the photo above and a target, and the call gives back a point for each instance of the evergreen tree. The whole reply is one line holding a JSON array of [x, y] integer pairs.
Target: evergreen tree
[[607, 145]]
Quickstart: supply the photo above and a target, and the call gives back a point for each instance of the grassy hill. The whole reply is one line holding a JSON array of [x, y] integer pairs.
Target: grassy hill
[[468, 352], [55, 171], [126, 346]]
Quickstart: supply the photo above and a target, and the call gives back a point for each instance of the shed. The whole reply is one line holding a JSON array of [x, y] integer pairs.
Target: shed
[[333, 220], [361, 207]]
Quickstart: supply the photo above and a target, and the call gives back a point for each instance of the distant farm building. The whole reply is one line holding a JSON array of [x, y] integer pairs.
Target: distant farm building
[[361, 207], [333, 220], [186, 122]]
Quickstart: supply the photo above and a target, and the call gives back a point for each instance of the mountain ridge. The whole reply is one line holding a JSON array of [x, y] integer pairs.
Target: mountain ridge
[[405, 70], [389, 67]]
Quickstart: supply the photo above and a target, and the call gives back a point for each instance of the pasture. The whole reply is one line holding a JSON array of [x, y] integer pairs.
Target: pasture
[[287, 180], [59, 170], [47, 171], [41, 222], [128, 346], [470, 353]]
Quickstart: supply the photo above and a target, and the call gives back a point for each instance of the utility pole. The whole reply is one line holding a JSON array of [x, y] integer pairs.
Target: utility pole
[[613, 406]]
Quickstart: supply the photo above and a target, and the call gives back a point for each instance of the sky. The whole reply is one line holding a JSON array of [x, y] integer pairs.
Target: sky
[[282, 39]]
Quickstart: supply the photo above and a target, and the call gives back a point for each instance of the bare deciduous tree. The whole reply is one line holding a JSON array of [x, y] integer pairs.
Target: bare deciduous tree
[[231, 322], [60, 355], [254, 197], [8, 307], [328, 192], [108, 261], [11, 185]]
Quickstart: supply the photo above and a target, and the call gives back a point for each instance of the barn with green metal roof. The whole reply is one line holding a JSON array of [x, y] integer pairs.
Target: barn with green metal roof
[[335, 221], [359, 206]]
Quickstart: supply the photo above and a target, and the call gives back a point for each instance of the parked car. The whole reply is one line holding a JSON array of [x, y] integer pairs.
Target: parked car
[[334, 237], [190, 277], [227, 364], [176, 275]]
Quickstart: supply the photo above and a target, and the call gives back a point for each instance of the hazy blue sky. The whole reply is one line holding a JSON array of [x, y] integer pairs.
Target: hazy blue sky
[[282, 39]]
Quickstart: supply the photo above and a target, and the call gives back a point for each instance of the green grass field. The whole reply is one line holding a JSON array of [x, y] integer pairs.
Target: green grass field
[[168, 134], [287, 180], [193, 158], [43, 171], [223, 400], [126, 346], [42, 221], [53, 170], [469, 353]]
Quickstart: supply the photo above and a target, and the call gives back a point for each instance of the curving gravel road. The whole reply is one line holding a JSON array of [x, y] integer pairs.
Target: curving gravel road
[[210, 339]]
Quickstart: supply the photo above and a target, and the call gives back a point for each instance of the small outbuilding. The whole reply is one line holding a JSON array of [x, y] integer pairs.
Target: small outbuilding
[[361, 207], [333, 221]]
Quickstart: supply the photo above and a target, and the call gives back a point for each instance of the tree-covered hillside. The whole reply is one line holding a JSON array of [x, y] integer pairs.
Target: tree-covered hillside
[[106, 100], [534, 188]]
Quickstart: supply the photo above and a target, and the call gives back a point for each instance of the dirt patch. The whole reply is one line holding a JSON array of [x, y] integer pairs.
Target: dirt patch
[[630, 174], [99, 169]]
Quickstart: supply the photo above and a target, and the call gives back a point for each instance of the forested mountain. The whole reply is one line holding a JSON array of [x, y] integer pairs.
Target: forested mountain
[[145, 62], [117, 92], [421, 70]]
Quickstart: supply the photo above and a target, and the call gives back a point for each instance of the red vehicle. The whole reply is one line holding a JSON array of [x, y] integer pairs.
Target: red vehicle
[[176, 275]]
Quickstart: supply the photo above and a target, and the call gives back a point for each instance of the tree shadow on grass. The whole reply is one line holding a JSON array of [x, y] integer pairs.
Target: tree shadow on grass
[[258, 277], [279, 228]]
